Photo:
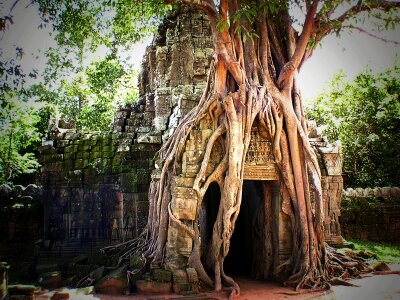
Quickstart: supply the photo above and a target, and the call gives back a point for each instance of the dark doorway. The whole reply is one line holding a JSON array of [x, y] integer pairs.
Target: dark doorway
[[208, 214], [247, 235]]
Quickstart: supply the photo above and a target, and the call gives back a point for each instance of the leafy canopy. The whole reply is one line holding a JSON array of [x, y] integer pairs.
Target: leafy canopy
[[18, 135], [89, 94], [365, 116]]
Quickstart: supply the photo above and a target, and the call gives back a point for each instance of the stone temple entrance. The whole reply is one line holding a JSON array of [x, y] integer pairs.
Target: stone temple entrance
[[251, 243], [253, 247], [262, 237], [247, 237]]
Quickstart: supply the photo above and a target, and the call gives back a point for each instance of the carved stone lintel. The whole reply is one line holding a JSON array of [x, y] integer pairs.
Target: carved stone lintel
[[261, 172], [259, 151]]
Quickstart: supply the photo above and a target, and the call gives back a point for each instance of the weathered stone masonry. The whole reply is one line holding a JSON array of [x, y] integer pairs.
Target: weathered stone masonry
[[372, 214], [259, 167], [96, 185]]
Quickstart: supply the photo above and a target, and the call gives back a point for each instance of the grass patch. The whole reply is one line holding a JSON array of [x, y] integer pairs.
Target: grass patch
[[386, 252]]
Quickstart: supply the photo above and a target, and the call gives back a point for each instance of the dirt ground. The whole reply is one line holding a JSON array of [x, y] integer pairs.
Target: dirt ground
[[370, 287]]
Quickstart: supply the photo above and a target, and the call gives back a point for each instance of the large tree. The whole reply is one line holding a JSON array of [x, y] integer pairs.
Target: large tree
[[259, 49]]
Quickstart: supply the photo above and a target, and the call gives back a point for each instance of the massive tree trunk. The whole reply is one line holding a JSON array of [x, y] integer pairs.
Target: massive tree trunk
[[253, 76]]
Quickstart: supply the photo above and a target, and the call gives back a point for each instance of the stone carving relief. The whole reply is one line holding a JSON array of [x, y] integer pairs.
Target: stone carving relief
[[260, 150], [259, 164]]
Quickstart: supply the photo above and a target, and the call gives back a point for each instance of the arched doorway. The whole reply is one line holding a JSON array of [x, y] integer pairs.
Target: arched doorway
[[208, 214], [253, 251], [247, 238]]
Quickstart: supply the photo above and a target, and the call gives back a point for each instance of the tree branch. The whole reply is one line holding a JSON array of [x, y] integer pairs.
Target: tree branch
[[207, 155], [186, 228], [324, 28], [372, 35], [288, 69], [275, 45], [264, 47], [223, 9], [356, 9]]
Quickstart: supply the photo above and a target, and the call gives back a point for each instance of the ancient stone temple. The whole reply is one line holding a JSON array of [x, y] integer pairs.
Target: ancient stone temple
[[261, 198], [96, 185], [261, 206]]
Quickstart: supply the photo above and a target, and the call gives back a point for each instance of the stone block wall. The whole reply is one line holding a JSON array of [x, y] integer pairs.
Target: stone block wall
[[371, 214], [330, 163], [332, 187], [95, 185]]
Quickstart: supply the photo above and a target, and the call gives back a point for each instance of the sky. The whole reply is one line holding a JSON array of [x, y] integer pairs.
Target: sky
[[351, 53]]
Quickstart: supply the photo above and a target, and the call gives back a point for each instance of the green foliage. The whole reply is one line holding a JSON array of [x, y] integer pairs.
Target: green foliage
[[248, 13], [222, 25], [249, 10], [103, 75], [91, 98], [387, 252], [23, 120], [134, 20], [103, 22], [87, 95], [18, 135], [365, 117]]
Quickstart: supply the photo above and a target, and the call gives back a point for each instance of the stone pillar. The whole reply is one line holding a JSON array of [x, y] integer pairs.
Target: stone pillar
[[119, 209], [332, 187]]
